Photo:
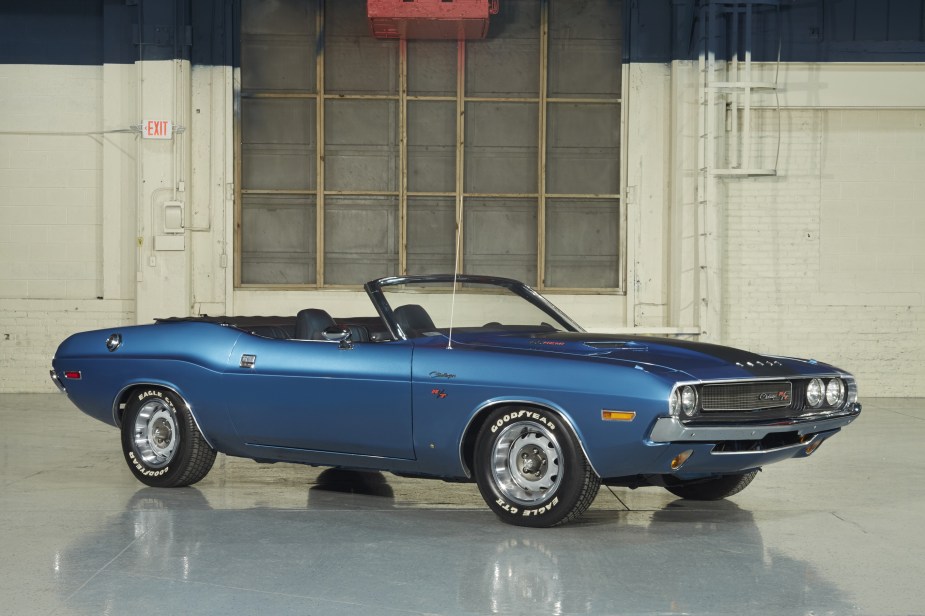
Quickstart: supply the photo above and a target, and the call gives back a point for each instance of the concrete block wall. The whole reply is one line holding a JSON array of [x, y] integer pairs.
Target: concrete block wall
[[826, 260]]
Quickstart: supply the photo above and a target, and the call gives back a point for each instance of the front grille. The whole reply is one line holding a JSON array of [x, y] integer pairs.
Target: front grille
[[756, 402], [746, 396]]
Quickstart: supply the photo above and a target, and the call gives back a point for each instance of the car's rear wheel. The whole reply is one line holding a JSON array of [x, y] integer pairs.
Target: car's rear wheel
[[161, 442], [715, 488], [530, 468]]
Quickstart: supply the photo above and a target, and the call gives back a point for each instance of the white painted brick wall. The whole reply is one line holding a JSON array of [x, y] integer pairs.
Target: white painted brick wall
[[32, 329], [50, 218], [827, 259]]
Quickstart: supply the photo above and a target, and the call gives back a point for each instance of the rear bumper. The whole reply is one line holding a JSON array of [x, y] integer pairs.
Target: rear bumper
[[56, 381], [671, 430]]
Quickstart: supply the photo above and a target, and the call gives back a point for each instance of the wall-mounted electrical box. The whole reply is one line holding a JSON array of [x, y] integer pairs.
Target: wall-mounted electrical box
[[430, 19], [173, 237], [173, 217]]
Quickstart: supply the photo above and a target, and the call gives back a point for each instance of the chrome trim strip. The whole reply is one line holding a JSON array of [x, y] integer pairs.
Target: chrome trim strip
[[328, 453], [670, 429], [495, 403], [115, 407], [57, 381]]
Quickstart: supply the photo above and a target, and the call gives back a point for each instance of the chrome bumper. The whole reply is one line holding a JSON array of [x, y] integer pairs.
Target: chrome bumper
[[671, 430], [56, 381]]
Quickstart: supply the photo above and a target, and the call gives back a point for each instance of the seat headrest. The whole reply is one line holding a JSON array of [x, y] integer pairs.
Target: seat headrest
[[414, 320], [310, 323]]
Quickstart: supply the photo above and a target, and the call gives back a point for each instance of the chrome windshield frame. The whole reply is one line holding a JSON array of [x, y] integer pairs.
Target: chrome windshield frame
[[374, 289]]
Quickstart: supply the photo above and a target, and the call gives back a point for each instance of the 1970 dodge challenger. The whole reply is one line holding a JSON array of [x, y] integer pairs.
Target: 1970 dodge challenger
[[479, 379]]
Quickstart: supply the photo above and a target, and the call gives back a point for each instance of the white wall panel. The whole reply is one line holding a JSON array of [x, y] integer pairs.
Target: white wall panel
[[50, 182], [51, 217], [825, 260]]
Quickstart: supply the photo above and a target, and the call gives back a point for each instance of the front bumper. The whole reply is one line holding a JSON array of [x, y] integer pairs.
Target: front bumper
[[671, 430]]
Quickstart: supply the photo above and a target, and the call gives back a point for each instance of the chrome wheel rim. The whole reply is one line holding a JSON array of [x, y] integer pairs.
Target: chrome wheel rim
[[156, 435], [527, 463]]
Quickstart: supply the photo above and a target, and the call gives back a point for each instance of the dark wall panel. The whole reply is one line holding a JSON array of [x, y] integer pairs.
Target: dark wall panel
[[122, 31], [803, 31], [51, 32]]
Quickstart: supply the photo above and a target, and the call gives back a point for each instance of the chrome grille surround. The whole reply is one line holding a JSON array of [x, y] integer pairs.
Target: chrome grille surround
[[746, 396], [709, 412]]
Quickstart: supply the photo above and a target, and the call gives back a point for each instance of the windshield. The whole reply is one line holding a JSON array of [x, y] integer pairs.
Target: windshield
[[423, 308]]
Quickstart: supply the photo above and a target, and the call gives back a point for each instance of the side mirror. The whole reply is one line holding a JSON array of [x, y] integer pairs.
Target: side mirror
[[338, 333]]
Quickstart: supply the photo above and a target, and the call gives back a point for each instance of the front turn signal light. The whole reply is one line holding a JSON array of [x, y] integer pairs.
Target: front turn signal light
[[618, 415], [813, 446], [680, 459]]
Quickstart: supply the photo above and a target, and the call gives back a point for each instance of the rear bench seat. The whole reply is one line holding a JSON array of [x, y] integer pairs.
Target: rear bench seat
[[362, 329]]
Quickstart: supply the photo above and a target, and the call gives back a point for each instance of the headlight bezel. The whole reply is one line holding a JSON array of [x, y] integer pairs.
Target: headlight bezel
[[840, 393], [833, 392], [815, 393], [689, 401], [684, 402]]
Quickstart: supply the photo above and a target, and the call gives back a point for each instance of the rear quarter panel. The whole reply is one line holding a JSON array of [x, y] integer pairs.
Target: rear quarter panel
[[187, 357]]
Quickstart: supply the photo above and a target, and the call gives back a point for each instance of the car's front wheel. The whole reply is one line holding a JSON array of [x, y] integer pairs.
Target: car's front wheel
[[715, 488], [530, 468], [161, 442]]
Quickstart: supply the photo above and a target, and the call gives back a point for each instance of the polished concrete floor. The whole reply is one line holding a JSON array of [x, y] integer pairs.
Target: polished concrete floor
[[838, 533]]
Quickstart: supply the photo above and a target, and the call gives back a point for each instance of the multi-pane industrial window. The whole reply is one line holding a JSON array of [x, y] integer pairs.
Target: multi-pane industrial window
[[357, 156]]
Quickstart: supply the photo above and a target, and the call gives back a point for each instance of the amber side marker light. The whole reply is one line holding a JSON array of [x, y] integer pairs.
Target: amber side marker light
[[680, 459], [618, 415], [813, 447]]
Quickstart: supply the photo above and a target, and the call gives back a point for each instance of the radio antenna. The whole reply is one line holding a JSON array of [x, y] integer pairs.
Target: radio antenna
[[449, 344], [460, 168]]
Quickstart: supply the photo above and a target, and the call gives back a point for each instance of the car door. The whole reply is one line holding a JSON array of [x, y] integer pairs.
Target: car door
[[315, 395]]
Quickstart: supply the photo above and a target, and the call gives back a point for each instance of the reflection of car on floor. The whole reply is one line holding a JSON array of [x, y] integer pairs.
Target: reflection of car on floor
[[479, 379], [560, 573]]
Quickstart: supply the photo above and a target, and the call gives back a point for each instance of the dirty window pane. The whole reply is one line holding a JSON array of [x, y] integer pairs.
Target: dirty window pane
[[360, 238], [431, 235], [500, 237], [501, 148], [279, 109], [361, 145], [278, 237], [582, 238], [431, 146]]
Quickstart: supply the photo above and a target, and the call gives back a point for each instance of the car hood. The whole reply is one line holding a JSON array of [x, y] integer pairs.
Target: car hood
[[698, 360]]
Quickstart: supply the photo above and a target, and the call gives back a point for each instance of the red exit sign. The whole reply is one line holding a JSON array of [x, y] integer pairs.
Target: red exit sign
[[157, 129]]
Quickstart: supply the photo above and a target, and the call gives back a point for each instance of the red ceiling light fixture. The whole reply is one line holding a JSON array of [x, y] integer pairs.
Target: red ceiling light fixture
[[430, 19]]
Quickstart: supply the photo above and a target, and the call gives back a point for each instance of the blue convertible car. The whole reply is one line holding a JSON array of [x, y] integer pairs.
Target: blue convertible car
[[460, 378]]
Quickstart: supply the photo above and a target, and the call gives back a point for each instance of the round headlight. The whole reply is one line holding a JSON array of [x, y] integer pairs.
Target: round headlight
[[674, 402], [688, 401], [835, 393], [815, 392]]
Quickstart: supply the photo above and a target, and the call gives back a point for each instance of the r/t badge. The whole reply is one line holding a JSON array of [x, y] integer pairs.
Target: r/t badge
[[438, 393]]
